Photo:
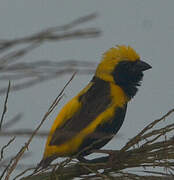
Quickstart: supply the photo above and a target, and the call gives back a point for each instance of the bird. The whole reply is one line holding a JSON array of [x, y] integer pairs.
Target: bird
[[92, 118]]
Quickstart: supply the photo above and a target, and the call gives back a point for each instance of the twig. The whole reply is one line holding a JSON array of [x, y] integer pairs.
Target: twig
[[39, 79], [23, 172], [55, 102], [57, 33], [23, 66], [5, 105], [152, 154], [5, 146], [137, 138], [24, 148], [96, 172], [6, 168], [6, 44], [38, 40]]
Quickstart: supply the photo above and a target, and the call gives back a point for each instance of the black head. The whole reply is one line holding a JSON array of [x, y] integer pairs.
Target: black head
[[128, 75]]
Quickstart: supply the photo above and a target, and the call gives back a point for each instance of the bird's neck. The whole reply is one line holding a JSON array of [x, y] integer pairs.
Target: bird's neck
[[130, 89], [116, 92]]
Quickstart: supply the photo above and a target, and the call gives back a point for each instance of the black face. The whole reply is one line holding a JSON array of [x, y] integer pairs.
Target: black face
[[128, 75]]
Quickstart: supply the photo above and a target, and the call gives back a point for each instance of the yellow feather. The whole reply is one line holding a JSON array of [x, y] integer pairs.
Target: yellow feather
[[66, 113], [111, 58], [118, 100]]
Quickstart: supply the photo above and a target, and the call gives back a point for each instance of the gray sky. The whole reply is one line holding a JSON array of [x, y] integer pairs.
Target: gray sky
[[147, 26]]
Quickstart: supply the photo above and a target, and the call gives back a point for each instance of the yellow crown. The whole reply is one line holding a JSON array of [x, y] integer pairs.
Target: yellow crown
[[111, 58]]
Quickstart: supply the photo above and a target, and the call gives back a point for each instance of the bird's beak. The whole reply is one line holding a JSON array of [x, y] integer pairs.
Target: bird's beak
[[142, 66]]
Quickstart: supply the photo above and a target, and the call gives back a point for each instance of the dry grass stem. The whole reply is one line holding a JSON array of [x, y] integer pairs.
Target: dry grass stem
[[5, 146], [147, 149], [25, 147], [5, 105], [32, 74]]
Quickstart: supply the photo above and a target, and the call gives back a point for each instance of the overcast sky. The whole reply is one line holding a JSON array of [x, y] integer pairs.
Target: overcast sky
[[147, 26]]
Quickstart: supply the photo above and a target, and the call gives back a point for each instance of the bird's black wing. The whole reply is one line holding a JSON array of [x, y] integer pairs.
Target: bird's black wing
[[94, 101]]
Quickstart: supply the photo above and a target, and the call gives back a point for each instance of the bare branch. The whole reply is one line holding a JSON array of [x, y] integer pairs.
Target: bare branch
[[42, 78], [5, 146], [6, 44], [5, 106], [153, 154], [138, 137], [25, 147]]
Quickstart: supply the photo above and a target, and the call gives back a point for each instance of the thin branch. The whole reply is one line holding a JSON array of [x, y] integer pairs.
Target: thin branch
[[40, 79], [38, 40], [153, 154], [5, 146], [23, 66], [6, 160], [138, 137], [17, 54], [6, 168], [5, 105], [24, 148], [23, 172], [56, 101], [6, 44]]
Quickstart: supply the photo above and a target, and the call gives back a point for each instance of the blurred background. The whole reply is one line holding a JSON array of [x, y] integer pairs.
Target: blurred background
[[39, 67]]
